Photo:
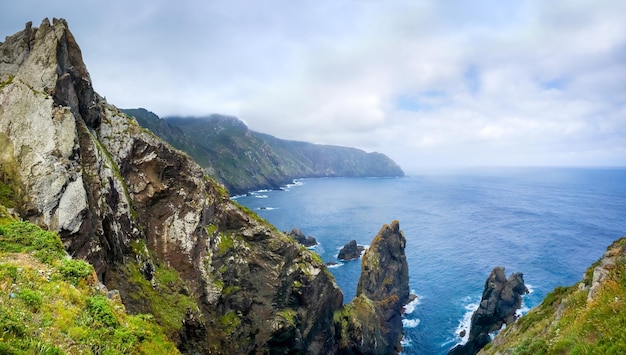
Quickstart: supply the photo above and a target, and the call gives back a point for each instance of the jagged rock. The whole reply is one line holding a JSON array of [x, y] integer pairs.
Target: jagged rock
[[372, 322], [136, 208], [500, 300], [307, 241], [350, 251]]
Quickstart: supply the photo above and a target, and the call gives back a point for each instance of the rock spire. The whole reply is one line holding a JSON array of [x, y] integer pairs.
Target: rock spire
[[501, 298]]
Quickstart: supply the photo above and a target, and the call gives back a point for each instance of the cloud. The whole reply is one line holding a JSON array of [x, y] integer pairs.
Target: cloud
[[428, 83]]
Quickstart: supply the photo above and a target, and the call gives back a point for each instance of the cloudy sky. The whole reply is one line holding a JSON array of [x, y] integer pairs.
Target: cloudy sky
[[430, 83]]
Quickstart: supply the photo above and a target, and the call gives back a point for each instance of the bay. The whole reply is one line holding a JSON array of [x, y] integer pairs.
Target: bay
[[549, 223]]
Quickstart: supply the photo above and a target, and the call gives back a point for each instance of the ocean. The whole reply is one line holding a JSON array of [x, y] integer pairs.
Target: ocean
[[550, 224]]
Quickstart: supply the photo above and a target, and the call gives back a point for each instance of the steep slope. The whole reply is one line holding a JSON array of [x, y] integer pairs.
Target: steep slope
[[586, 318], [245, 160], [148, 219]]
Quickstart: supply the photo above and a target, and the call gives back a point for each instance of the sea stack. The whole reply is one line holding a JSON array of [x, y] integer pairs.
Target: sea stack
[[372, 322], [501, 299]]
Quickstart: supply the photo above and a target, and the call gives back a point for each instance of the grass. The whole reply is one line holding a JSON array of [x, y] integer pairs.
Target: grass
[[49, 303]]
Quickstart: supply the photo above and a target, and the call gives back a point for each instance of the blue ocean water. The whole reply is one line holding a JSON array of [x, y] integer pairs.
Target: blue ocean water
[[551, 224]]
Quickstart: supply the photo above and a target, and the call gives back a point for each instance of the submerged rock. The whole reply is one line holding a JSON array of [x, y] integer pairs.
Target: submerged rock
[[350, 251], [501, 298]]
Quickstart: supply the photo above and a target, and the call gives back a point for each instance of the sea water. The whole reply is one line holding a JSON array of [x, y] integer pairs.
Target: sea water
[[550, 224]]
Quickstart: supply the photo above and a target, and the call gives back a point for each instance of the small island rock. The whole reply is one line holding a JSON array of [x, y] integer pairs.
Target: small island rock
[[350, 251]]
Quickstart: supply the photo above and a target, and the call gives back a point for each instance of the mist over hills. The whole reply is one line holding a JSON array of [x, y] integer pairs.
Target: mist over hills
[[245, 160]]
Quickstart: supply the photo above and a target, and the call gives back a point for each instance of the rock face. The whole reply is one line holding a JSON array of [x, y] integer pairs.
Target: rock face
[[500, 300], [350, 251], [246, 160], [298, 236], [153, 225], [372, 322]]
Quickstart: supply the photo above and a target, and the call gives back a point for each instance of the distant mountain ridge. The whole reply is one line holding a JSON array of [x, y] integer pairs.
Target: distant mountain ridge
[[245, 160]]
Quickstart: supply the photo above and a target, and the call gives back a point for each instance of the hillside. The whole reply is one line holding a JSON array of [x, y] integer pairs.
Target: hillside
[[586, 318], [53, 304], [245, 160]]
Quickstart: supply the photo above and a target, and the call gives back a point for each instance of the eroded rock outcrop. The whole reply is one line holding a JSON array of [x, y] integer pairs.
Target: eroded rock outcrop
[[298, 236], [350, 251], [146, 216], [501, 298], [372, 322]]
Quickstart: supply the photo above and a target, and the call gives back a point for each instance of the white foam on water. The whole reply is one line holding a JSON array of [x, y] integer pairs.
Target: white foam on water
[[406, 343], [261, 196], [410, 307], [295, 183], [410, 323], [466, 321], [334, 266], [266, 208]]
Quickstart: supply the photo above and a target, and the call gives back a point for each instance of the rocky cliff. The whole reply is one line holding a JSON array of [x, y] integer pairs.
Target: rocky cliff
[[372, 322], [585, 318], [501, 298], [148, 219], [246, 160]]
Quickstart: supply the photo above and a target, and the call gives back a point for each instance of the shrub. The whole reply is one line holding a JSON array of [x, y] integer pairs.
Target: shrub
[[74, 270], [101, 313]]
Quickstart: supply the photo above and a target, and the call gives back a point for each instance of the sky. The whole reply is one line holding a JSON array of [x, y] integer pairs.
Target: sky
[[432, 83]]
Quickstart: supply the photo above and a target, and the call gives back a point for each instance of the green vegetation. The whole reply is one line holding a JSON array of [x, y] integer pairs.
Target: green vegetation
[[225, 244], [7, 195], [168, 298], [74, 270], [24, 237], [567, 322], [49, 305], [355, 319], [229, 322], [289, 316], [7, 82]]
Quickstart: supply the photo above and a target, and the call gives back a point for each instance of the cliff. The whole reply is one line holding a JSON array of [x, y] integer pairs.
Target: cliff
[[147, 218], [585, 318], [372, 322], [246, 160]]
